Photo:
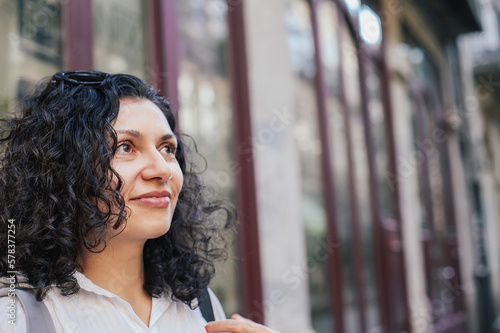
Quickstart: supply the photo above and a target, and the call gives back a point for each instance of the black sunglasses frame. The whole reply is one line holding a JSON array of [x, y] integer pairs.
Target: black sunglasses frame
[[86, 78]]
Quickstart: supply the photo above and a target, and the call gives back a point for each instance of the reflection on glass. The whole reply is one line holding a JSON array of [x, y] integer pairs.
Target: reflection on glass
[[377, 121], [120, 37], [30, 46], [370, 27], [300, 41], [353, 5], [361, 173], [204, 98]]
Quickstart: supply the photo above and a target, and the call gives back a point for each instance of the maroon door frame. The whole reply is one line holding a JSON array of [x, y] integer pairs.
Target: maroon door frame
[[246, 185], [357, 245], [78, 41], [381, 273], [155, 46], [389, 249], [395, 191], [164, 49], [396, 324], [334, 259]]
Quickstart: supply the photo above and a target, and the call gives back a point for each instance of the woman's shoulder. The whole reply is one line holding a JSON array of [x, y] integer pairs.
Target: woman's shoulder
[[12, 315]]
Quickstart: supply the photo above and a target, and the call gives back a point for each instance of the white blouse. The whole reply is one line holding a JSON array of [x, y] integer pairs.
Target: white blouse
[[94, 309]]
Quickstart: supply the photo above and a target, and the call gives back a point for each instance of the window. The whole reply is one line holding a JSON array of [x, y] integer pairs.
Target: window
[[301, 45], [205, 105], [120, 37], [361, 173], [31, 44]]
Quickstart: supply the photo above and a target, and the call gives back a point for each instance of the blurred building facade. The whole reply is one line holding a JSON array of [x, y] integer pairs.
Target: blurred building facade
[[360, 142]]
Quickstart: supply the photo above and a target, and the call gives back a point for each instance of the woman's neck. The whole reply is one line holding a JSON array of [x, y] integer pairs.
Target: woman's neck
[[118, 269]]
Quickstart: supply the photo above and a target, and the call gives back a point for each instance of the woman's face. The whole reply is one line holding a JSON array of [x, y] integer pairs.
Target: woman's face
[[145, 160]]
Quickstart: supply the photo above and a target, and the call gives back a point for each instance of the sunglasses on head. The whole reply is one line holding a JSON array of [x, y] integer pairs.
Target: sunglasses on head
[[86, 78]]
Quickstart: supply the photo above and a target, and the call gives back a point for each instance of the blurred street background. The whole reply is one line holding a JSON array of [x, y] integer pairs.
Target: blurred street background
[[358, 139]]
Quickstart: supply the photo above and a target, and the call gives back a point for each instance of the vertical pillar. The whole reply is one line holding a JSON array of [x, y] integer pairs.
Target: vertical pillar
[[244, 154], [78, 41]]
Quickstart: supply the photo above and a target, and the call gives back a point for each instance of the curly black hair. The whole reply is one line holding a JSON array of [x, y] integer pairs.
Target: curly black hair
[[56, 161]]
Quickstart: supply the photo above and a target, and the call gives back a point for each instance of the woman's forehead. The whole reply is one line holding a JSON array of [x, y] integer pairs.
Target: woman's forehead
[[142, 115]]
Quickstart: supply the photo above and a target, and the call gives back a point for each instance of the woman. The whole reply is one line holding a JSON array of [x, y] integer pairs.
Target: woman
[[112, 230]]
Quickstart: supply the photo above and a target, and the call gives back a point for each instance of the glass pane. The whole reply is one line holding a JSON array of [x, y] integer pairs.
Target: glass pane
[[120, 37], [31, 44], [429, 236], [300, 41], [361, 173], [439, 256], [435, 177], [377, 121], [205, 105]]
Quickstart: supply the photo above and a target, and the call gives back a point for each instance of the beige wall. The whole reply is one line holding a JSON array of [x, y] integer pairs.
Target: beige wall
[[282, 241]]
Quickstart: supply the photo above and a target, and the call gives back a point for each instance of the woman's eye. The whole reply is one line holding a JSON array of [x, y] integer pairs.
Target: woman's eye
[[169, 149], [124, 148]]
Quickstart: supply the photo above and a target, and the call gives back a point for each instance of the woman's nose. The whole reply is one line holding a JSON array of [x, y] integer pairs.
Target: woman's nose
[[156, 167]]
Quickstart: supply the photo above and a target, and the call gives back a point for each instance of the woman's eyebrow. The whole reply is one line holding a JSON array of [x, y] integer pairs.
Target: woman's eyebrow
[[133, 133], [168, 136], [139, 135]]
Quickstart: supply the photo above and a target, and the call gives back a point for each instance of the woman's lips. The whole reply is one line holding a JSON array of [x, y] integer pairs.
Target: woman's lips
[[161, 202], [153, 199]]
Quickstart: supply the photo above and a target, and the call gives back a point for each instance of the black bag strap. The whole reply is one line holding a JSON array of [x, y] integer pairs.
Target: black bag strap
[[38, 318], [206, 305]]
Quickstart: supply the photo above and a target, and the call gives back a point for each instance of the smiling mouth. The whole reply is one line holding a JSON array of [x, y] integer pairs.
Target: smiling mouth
[[153, 199]]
